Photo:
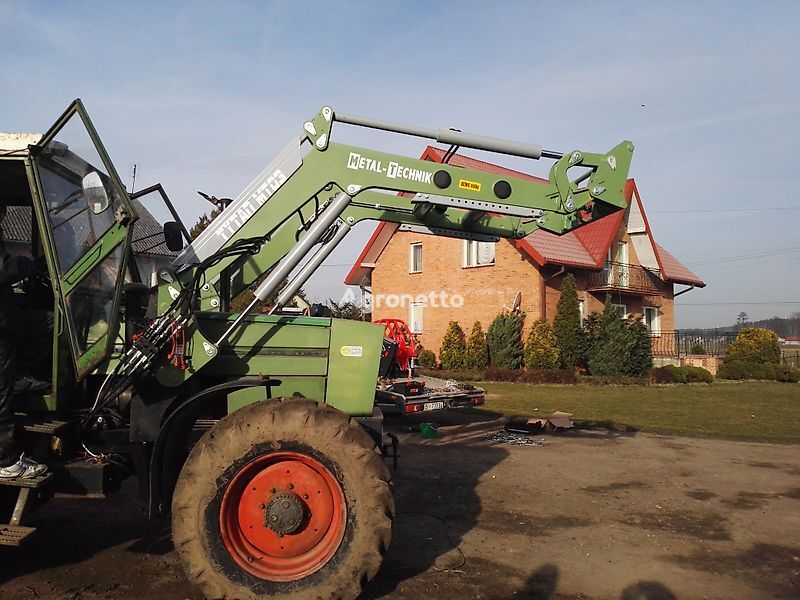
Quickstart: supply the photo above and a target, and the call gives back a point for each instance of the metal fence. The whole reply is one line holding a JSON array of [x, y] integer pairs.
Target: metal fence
[[674, 344], [791, 357], [681, 343]]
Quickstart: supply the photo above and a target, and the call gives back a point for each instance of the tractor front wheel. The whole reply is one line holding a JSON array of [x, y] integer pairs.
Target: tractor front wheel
[[284, 498]]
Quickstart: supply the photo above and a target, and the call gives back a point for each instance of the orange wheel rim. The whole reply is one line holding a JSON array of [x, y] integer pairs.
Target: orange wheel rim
[[277, 488]]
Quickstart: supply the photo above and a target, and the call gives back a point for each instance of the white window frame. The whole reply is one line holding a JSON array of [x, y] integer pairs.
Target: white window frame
[[471, 251], [412, 267], [623, 313], [608, 268], [655, 329], [623, 264], [416, 313]]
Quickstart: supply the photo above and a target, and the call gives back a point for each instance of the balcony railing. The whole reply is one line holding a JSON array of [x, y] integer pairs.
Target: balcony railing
[[624, 276]]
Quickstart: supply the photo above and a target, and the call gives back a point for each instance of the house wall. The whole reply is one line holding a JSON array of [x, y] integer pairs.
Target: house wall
[[485, 290], [634, 301]]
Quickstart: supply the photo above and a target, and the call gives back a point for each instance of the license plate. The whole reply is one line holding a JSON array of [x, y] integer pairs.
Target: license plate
[[433, 406]]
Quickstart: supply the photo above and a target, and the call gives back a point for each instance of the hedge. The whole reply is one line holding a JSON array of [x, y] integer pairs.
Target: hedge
[[755, 345], [426, 359], [452, 353], [686, 374], [563, 376], [740, 369]]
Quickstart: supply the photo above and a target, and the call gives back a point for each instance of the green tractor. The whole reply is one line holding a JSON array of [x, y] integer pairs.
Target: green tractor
[[257, 430]]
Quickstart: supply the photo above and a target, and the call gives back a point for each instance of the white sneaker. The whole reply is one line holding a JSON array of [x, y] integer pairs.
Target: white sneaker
[[24, 468]]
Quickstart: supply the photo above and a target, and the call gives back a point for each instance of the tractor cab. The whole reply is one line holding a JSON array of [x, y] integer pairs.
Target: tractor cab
[[93, 242]]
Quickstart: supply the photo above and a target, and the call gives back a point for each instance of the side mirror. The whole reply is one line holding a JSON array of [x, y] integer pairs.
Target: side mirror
[[173, 237], [95, 192]]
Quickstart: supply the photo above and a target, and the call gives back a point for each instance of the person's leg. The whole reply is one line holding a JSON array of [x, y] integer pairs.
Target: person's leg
[[35, 355], [13, 463], [8, 450]]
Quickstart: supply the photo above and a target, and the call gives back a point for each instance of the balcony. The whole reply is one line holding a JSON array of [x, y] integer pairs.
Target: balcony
[[627, 278]]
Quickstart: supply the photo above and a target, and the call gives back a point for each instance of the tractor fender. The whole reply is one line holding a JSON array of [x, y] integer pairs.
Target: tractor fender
[[168, 455]]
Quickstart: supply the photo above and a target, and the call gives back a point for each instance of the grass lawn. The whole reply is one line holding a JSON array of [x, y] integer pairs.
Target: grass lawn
[[757, 411]]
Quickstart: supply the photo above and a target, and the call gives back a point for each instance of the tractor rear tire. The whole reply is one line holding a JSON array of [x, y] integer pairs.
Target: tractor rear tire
[[285, 498]]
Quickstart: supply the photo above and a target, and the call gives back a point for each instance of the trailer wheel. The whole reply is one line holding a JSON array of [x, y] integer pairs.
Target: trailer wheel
[[284, 498]]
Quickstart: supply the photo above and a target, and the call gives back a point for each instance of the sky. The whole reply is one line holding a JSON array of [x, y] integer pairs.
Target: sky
[[203, 95]]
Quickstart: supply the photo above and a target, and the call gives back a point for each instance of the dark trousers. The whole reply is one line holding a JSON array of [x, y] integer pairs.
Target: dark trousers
[[8, 449]]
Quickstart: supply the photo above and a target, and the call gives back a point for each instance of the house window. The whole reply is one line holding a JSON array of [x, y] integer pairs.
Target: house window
[[617, 272], [622, 310], [415, 258], [476, 254], [652, 318], [415, 317]]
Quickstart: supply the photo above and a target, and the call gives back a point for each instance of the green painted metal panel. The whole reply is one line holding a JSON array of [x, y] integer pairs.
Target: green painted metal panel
[[247, 361], [268, 345], [353, 368], [291, 387], [270, 319], [267, 332]]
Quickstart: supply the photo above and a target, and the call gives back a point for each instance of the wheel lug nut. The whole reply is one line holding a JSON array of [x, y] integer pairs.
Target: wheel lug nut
[[291, 486], [305, 496], [262, 505], [273, 490]]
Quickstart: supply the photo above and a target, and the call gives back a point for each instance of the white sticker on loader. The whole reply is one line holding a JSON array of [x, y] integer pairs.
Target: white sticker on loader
[[353, 351]]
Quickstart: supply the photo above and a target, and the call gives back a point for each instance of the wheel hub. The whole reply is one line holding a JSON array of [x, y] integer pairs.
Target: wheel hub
[[283, 516], [284, 513]]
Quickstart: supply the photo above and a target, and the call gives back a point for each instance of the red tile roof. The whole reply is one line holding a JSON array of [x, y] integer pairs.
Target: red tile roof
[[674, 270], [585, 247]]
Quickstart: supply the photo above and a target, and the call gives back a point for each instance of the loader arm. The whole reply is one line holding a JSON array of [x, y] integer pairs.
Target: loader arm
[[289, 219], [281, 204]]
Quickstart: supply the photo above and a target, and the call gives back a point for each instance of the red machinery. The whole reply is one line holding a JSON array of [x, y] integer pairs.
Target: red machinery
[[398, 331]]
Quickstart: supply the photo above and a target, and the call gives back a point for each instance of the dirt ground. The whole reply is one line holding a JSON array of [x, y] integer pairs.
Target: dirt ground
[[588, 515]]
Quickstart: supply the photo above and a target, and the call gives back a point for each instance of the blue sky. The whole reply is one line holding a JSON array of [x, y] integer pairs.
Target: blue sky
[[202, 95]]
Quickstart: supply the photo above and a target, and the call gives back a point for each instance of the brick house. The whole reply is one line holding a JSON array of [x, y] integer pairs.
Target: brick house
[[428, 281]]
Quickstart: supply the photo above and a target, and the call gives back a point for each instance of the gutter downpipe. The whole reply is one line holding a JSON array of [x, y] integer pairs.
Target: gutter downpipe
[[543, 298]]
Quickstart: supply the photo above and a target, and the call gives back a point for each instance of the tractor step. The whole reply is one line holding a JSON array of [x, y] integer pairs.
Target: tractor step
[[14, 532], [45, 425], [14, 535], [32, 482]]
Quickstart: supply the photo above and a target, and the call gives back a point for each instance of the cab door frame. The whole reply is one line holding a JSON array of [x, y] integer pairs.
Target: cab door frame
[[118, 235]]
